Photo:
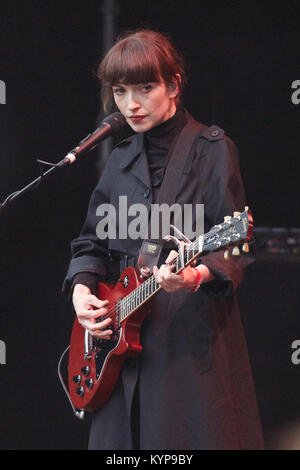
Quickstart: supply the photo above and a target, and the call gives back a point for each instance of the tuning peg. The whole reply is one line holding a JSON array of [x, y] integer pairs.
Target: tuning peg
[[235, 251], [245, 247], [226, 254], [236, 213], [226, 218]]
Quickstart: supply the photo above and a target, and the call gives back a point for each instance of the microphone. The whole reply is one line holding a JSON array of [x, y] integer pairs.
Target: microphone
[[109, 126]]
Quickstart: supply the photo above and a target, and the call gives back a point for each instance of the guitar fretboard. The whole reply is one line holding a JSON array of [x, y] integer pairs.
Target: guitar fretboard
[[230, 231], [149, 287]]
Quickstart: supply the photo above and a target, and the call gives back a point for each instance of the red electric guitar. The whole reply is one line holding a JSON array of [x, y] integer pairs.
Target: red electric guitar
[[95, 364]]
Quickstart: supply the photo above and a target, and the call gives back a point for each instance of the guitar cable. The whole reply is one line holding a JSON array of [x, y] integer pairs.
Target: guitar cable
[[78, 413]]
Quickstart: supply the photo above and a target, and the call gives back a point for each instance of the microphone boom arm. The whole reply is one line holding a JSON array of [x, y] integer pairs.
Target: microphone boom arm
[[110, 125], [34, 184]]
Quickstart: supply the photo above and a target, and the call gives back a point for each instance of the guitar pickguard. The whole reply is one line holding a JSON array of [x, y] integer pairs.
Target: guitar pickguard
[[103, 348]]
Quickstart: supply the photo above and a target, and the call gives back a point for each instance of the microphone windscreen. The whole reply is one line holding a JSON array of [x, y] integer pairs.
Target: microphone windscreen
[[115, 120]]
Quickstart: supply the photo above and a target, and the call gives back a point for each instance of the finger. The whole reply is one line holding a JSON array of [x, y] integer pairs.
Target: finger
[[156, 274], [92, 326], [98, 312], [95, 302], [106, 334], [172, 255], [171, 282], [101, 324], [165, 271], [170, 286], [100, 330], [90, 314], [102, 334]]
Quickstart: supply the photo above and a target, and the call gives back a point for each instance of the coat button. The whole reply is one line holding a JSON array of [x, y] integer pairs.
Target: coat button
[[146, 193]]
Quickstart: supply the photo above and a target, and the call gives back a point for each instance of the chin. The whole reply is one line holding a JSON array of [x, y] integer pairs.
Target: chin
[[141, 127]]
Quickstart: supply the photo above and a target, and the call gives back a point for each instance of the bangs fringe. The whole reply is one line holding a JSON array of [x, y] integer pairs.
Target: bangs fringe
[[134, 65]]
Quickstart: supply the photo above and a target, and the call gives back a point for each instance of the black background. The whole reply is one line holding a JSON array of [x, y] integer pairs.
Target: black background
[[242, 59]]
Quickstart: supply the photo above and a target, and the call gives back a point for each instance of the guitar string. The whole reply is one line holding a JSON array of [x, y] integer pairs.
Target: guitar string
[[140, 291], [132, 296]]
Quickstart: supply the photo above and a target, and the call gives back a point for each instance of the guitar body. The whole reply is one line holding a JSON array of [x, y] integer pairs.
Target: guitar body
[[95, 365]]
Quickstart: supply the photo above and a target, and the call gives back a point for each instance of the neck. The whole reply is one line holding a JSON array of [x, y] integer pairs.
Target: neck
[[168, 128], [172, 110]]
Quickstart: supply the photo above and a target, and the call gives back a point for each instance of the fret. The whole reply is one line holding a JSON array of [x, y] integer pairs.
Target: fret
[[185, 255], [135, 298], [124, 303], [121, 311], [149, 286], [139, 295], [123, 308], [139, 301]]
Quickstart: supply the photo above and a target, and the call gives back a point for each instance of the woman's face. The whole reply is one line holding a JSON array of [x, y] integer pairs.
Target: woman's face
[[147, 104]]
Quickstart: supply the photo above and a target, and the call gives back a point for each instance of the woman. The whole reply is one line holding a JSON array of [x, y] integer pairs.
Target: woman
[[191, 386]]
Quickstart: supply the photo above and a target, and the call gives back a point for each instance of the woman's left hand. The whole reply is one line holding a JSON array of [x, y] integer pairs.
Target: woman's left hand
[[172, 282]]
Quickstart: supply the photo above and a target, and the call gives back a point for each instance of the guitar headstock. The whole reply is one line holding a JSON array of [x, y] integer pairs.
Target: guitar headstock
[[233, 231]]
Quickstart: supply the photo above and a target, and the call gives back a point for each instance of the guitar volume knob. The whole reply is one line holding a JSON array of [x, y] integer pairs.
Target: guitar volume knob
[[80, 391], [89, 383], [77, 379], [85, 370]]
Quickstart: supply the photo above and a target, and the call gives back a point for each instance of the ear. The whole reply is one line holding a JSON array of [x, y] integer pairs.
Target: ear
[[174, 86]]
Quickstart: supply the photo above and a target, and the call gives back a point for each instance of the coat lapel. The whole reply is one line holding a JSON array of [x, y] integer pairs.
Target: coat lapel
[[136, 158]]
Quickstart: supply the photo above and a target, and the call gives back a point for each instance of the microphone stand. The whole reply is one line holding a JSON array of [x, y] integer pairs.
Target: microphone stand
[[111, 124], [35, 183]]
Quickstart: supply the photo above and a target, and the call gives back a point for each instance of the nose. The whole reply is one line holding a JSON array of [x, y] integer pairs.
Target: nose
[[132, 102]]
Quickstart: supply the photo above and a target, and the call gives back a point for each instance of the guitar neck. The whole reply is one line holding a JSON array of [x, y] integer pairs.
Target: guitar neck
[[149, 287], [232, 231]]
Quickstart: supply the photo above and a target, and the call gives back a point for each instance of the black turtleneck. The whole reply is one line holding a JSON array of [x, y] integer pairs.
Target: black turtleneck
[[158, 143]]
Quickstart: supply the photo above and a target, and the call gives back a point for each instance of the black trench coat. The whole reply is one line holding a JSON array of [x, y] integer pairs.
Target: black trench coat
[[193, 378]]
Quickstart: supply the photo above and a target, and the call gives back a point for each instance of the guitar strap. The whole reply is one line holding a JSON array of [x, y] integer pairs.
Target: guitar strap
[[180, 151]]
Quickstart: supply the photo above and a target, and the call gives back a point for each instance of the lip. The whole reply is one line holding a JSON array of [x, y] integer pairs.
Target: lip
[[136, 118]]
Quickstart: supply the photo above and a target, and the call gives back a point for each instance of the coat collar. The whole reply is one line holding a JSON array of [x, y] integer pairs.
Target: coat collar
[[135, 155]]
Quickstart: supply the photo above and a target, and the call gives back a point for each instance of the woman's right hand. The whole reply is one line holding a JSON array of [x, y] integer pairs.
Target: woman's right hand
[[88, 308]]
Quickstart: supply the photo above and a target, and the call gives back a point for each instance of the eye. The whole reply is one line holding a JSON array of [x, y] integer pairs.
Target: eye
[[118, 90], [147, 87]]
